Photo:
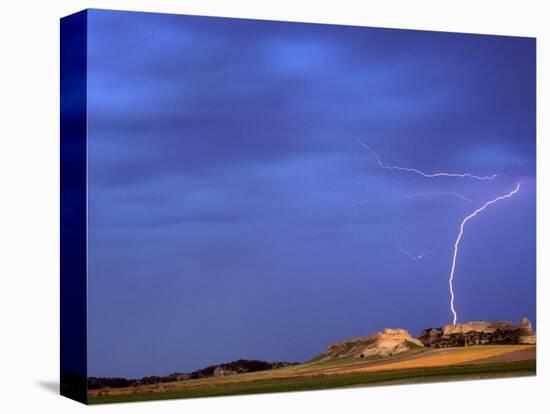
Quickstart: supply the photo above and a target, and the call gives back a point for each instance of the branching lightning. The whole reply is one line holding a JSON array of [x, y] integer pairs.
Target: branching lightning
[[420, 255], [459, 237], [416, 195], [422, 173], [374, 157], [442, 193]]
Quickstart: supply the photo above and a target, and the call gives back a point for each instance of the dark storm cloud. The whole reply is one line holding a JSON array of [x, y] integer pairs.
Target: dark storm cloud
[[164, 85], [227, 188]]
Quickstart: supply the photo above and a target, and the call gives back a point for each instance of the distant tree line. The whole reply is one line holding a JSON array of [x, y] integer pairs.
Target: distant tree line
[[95, 383], [235, 367]]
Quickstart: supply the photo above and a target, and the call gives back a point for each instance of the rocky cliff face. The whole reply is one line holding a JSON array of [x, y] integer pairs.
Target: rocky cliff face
[[479, 333], [431, 336], [386, 343]]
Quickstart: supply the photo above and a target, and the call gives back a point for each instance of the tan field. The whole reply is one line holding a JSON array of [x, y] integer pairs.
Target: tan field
[[455, 356]]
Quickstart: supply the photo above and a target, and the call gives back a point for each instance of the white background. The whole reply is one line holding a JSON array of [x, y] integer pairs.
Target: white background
[[29, 203]]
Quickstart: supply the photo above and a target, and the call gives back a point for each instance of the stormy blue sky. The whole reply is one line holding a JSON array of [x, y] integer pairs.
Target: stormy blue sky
[[233, 214]]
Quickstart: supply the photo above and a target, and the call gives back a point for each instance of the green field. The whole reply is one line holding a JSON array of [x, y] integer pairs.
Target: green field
[[318, 382]]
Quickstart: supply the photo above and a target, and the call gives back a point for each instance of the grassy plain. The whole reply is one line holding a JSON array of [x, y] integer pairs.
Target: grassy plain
[[415, 366]]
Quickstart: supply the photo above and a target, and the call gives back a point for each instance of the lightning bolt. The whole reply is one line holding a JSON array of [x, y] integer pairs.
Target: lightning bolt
[[459, 237], [442, 193], [422, 173], [416, 195], [420, 255], [464, 221]]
